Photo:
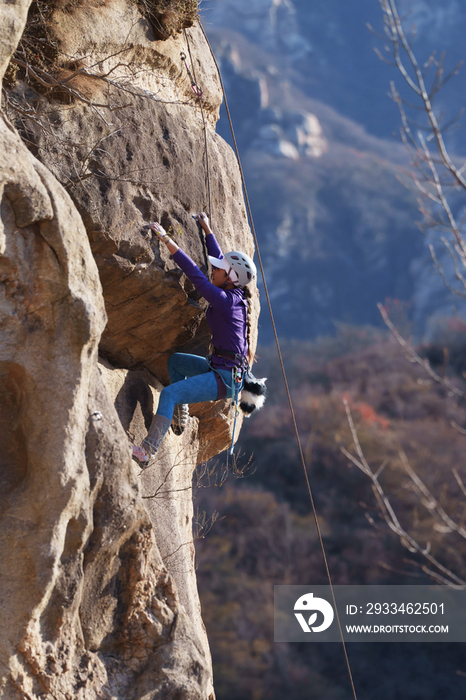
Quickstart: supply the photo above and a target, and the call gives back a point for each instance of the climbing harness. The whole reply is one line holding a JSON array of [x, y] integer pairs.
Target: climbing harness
[[230, 355], [282, 365], [238, 374]]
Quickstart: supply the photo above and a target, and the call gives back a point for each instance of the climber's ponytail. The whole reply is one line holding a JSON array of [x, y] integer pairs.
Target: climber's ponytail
[[254, 390], [248, 297]]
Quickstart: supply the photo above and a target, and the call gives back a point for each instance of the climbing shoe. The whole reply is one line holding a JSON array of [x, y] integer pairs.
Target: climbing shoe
[[180, 418], [146, 453], [142, 456]]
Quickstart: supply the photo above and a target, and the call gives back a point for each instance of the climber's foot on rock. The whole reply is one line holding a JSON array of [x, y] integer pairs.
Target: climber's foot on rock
[[142, 457]]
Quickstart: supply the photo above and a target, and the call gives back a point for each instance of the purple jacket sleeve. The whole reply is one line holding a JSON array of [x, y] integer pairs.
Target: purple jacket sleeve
[[213, 247], [215, 296]]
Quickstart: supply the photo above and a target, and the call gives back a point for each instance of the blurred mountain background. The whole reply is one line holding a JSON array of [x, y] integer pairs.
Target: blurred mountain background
[[318, 137]]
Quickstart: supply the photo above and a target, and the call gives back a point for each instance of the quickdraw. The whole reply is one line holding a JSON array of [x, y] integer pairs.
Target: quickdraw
[[196, 89]]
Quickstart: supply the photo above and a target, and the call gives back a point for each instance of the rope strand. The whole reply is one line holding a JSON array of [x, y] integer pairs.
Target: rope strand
[[282, 365], [198, 92]]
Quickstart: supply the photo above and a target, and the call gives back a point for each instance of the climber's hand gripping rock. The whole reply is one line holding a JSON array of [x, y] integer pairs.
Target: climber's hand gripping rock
[[159, 231], [162, 235], [203, 221]]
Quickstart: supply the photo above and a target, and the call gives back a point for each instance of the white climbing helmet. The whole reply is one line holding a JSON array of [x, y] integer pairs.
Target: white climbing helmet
[[241, 264]]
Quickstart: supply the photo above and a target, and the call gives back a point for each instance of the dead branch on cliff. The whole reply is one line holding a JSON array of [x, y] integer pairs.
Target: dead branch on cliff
[[202, 524], [210, 474], [216, 473]]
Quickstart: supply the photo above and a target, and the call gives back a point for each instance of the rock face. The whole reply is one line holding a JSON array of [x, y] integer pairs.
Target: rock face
[[88, 609], [141, 159], [99, 593]]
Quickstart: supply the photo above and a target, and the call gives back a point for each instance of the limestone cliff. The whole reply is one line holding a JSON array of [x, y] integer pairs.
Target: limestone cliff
[[99, 595]]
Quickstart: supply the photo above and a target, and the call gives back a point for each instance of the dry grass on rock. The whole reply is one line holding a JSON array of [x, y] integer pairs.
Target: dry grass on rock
[[169, 17]]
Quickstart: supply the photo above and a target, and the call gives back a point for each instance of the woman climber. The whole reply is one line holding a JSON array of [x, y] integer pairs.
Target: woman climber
[[194, 379]]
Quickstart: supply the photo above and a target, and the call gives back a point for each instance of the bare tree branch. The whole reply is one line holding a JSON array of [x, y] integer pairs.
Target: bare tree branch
[[438, 571], [414, 357], [441, 271], [428, 500], [436, 176]]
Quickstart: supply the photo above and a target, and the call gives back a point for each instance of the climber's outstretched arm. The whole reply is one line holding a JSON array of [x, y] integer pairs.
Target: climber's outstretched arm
[[217, 297], [203, 220], [212, 245]]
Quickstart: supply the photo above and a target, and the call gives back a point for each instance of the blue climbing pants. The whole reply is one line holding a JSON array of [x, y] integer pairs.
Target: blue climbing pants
[[191, 381]]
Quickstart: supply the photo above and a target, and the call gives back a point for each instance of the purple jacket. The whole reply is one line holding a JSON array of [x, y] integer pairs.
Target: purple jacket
[[227, 314]]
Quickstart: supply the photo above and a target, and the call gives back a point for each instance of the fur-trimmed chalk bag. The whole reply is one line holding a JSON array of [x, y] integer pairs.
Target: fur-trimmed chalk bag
[[253, 394]]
